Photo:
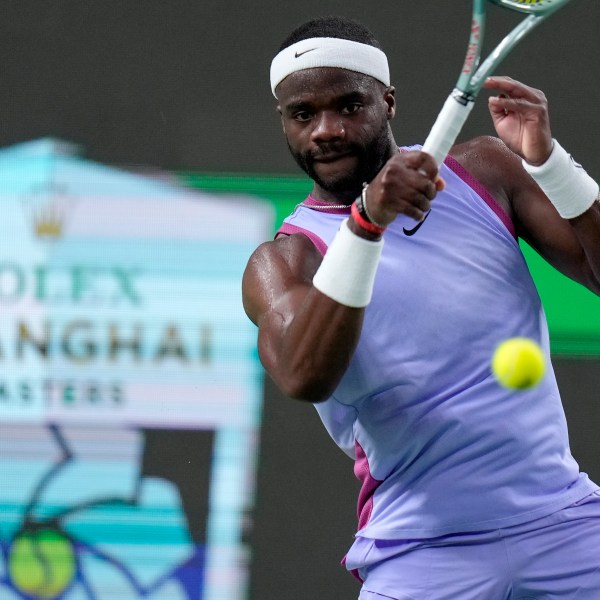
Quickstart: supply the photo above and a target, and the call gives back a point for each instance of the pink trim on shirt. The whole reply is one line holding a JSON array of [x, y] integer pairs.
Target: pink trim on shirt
[[287, 229], [369, 485], [482, 191]]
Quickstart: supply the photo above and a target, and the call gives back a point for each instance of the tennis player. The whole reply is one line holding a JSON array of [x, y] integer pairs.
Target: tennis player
[[381, 301]]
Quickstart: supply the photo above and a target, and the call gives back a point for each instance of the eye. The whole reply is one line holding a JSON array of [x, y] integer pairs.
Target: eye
[[301, 116], [351, 108]]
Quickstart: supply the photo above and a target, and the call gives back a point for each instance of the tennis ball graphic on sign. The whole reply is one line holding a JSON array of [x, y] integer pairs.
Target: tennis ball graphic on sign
[[41, 563]]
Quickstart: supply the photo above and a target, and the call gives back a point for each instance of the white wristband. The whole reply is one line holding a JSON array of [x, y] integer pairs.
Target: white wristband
[[347, 273], [567, 185]]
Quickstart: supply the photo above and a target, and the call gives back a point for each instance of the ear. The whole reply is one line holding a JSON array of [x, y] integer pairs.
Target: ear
[[390, 99], [281, 118]]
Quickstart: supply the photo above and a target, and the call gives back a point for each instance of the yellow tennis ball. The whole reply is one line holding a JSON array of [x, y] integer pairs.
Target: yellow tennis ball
[[518, 363]]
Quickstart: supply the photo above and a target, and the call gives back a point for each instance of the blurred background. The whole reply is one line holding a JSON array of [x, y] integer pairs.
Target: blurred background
[[143, 454]]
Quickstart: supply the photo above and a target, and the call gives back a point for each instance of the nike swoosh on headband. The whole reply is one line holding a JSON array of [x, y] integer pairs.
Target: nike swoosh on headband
[[299, 54]]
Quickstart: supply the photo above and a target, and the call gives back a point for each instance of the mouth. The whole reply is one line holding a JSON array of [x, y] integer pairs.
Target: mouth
[[331, 157]]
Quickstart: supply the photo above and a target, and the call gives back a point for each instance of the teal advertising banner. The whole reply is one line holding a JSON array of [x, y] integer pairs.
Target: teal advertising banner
[[130, 390]]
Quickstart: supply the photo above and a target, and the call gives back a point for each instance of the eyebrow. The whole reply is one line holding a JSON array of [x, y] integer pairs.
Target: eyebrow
[[354, 96]]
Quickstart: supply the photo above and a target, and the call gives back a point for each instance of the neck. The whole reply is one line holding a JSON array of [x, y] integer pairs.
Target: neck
[[347, 197]]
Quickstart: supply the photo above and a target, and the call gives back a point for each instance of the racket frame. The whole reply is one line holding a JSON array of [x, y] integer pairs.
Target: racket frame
[[461, 100]]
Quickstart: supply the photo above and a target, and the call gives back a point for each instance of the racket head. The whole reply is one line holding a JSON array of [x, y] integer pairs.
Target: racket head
[[473, 76], [532, 7]]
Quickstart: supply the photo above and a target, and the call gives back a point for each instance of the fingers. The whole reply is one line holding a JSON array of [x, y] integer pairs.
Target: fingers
[[414, 211], [502, 105], [511, 88], [515, 97], [521, 119], [406, 185], [420, 161], [416, 174]]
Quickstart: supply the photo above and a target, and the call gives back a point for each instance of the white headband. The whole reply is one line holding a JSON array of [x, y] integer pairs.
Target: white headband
[[329, 52]]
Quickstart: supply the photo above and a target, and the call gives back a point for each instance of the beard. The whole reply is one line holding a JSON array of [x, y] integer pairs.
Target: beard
[[370, 156]]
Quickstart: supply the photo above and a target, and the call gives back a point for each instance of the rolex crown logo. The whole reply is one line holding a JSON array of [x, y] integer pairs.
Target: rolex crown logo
[[47, 206], [48, 221]]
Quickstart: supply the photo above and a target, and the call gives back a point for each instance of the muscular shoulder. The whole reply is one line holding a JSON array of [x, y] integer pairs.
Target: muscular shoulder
[[295, 254], [483, 148], [489, 160], [275, 268]]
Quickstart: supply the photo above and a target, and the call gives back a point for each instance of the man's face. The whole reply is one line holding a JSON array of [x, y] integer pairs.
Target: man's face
[[336, 123]]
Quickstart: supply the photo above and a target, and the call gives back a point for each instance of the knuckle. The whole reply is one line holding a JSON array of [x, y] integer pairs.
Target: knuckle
[[415, 213]]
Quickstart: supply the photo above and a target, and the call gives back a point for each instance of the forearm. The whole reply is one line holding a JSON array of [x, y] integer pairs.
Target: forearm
[[575, 195], [587, 230]]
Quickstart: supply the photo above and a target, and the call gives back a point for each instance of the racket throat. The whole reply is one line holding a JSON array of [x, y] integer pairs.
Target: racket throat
[[462, 97]]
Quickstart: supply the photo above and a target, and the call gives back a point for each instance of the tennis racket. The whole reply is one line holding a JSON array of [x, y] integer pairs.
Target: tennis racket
[[460, 102]]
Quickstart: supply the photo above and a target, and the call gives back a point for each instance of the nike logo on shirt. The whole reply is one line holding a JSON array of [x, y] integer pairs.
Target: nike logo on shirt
[[416, 227]]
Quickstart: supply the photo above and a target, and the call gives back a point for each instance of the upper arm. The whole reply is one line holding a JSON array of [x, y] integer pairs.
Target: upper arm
[[536, 220], [305, 338], [275, 283], [276, 270]]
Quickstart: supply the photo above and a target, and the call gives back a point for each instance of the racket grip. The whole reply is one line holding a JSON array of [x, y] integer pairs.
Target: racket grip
[[447, 126]]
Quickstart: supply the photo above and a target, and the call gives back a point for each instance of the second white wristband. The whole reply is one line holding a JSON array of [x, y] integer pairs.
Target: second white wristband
[[567, 185], [347, 273]]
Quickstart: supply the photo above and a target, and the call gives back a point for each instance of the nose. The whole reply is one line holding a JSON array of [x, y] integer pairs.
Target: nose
[[328, 126]]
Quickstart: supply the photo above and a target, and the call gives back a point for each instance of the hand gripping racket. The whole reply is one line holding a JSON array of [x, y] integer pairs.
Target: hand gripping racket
[[457, 107]]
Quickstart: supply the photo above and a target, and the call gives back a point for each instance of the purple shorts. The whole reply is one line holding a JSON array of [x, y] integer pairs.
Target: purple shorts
[[557, 556]]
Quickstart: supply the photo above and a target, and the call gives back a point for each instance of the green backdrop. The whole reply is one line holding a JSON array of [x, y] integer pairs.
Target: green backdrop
[[573, 312]]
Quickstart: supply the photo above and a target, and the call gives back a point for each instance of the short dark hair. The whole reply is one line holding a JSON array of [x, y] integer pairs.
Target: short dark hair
[[334, 27]]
